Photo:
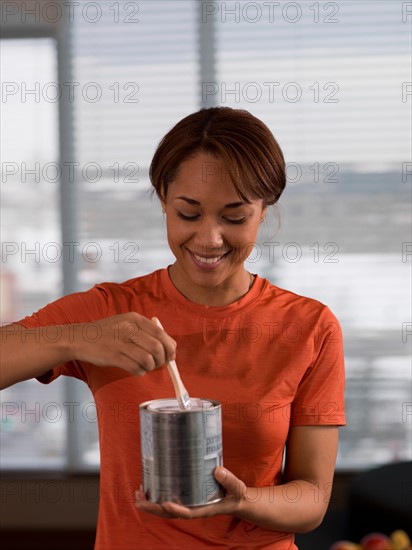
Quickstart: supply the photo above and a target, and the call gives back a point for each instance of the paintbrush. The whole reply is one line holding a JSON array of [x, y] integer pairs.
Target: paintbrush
[[182, 395]]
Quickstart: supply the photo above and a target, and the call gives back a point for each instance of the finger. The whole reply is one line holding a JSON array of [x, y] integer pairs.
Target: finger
[[155, 509], [207, 511], [135, 328], [233, 485], [159, 333], [177, 510], [138, 365], [146, 350], [150, 507], [170, 353]]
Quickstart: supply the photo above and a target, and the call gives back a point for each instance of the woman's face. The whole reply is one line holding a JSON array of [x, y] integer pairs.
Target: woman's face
[[211, 230]]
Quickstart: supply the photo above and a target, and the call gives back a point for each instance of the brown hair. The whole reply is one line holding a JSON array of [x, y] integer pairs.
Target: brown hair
[[244, 143]]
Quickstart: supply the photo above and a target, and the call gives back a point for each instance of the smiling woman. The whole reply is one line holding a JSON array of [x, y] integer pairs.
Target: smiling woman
[[240, 340], [226, 168]]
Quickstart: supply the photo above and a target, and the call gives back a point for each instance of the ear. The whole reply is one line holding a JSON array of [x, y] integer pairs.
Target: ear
[[263, 213], [163, 203]]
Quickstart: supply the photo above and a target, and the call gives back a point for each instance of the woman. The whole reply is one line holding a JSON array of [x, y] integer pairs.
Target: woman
[[274, 359]]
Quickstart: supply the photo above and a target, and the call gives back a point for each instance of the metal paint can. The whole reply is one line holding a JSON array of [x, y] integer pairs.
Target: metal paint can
[[180, 450]]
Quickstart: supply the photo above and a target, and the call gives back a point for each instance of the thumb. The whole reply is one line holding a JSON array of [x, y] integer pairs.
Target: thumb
[[230, 482]]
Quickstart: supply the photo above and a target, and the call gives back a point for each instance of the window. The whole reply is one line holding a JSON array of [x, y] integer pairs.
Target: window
[[333, 82], [133, 74], [32, 435]]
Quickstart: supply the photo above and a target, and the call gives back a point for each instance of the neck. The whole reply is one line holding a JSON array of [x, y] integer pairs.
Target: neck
[[221, 295]]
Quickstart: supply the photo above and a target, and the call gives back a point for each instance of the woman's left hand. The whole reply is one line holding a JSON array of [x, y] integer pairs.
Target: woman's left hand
[[235, 493]]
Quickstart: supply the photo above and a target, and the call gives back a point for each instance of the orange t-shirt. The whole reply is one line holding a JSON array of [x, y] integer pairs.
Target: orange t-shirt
[[273, 359]]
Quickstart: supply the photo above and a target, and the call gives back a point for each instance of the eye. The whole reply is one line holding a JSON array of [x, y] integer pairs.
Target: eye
[[194, 217], [236, 221], [187, 218]]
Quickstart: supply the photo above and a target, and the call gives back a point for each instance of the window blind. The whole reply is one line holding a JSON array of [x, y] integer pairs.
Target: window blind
[[146, 72], [331, 80]]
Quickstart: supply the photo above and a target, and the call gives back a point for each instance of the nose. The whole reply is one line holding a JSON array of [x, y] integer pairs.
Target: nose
[[209, 236]]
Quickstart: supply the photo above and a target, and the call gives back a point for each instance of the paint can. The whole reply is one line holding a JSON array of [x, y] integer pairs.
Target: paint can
[[180, 450]]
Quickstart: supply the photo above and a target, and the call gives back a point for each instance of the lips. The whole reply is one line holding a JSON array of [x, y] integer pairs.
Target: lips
[[208, 261]]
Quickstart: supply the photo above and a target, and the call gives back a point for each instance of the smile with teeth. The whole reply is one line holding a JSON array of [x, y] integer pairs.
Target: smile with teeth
[[209, 260]]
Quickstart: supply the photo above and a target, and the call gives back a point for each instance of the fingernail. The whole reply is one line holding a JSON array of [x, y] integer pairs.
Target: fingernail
[[221, 472]]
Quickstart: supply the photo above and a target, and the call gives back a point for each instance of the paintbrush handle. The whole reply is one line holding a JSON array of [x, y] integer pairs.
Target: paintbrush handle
[[180, 391]]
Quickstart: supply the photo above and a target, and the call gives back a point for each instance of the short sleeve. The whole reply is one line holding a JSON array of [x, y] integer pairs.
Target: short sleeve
[[80, 307], [319, 399]]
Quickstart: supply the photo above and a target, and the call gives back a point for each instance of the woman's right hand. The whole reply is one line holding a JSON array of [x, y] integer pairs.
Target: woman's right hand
[[129, 341]]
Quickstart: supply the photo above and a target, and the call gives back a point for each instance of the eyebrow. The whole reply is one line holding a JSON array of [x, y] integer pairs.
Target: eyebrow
[[197, 203]]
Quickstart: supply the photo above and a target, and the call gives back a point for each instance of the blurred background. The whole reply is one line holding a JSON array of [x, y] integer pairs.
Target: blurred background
[[89, 89]]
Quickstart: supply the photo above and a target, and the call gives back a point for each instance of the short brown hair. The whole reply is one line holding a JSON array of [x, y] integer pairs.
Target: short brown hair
[[244, 143]]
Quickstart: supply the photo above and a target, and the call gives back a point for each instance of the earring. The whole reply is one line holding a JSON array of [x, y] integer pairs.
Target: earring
[[163, 211]]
